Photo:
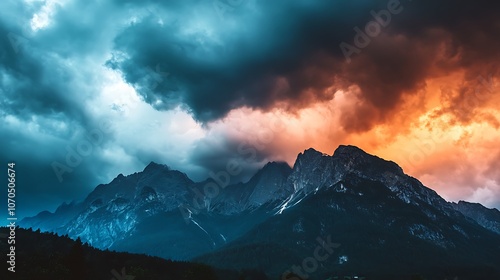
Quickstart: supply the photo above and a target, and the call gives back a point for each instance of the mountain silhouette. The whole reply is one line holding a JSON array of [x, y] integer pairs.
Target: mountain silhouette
[[387, 224]]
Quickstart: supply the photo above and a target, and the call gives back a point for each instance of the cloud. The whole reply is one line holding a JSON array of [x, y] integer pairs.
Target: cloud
[[217, 66], [263, 59]]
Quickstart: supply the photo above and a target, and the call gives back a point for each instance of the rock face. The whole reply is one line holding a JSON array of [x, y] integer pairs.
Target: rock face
[[488, 218], [313, 171], [366, 203], [112, 211], [267, 186]]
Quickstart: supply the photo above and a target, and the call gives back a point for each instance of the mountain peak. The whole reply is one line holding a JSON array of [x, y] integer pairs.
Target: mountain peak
[[273, 168], [276, 164], [308, 156], [312, 151], [117, 179], [155, 166], [343, 151], [357, 158], [349, 150]]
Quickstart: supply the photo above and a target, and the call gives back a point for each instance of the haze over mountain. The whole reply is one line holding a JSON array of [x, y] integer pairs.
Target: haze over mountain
[[374, 219]]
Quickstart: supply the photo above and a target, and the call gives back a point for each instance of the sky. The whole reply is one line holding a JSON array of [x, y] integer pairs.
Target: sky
[[91, 89]]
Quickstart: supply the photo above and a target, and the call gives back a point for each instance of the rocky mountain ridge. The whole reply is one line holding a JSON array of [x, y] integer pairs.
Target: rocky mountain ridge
[[162, 212]]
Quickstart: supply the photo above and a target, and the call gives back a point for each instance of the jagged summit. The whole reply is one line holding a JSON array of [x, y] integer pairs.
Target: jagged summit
[[342, 150], [309, 155], [348, 150], [276, 165], [347, 158], [155, 166], [311, 151], [359, 159]]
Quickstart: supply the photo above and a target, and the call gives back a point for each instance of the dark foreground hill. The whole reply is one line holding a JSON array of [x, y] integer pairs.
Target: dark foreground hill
[[48, 256]]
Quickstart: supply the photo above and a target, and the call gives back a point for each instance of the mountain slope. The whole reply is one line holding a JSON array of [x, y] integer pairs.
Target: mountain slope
[[488, 218], [383, 219], [379, 235]]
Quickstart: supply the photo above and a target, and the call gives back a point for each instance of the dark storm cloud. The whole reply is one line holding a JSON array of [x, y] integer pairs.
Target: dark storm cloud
[[289, 51], [212, 74], [42, 110], [29, 86]]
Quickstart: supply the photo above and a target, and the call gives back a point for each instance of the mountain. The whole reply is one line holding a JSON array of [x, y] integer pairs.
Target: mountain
[[266, 186], [488, 218], [134, 212], [384, 223]]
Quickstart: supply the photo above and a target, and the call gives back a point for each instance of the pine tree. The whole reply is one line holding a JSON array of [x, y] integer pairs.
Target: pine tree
[[76, 261]]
